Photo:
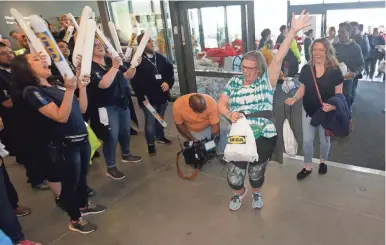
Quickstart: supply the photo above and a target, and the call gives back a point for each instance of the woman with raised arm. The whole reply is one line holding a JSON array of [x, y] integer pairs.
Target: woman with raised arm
[[324, 68], [251, 94], [68, 148]]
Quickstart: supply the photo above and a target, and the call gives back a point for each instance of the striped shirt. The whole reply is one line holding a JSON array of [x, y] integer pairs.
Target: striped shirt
[[253, 98]]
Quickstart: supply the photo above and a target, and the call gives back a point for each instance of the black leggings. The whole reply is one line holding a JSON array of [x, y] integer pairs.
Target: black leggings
[[256, 170]]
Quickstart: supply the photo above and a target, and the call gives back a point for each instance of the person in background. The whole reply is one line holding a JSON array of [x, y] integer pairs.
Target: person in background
[[5, 41], [350, 53], [329, 79], [25, 44], [9, 223], [251, 96], [307, 43], [196, 116], [283, 33], [109, 107], [151, 83], [65, 22], [332, 37], [375, 40], [268, 54], [265, 35], [293, 59], [69, 149], [356, 35], [18, 36]]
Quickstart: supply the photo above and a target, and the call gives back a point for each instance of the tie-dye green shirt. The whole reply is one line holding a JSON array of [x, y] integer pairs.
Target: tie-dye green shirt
[[253, 98]]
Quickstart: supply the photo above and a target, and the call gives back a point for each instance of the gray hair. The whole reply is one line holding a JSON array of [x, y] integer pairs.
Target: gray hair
[[258, 58]]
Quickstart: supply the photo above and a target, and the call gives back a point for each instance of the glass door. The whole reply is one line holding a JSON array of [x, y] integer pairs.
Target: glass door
[[213, 37]]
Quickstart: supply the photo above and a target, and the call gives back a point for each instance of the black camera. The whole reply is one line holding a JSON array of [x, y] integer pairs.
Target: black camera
[[197, 153]]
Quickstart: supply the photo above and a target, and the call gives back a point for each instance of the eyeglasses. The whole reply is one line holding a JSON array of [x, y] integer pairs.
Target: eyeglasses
[[248, 68], [10, 53]]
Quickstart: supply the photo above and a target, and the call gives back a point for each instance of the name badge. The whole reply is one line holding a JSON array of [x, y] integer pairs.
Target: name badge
[[158, 76]]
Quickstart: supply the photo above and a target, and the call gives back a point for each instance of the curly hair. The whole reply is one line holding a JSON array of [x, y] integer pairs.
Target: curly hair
[[331, 60]]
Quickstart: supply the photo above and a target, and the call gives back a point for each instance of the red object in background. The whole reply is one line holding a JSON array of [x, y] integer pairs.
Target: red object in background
[[221, 53]]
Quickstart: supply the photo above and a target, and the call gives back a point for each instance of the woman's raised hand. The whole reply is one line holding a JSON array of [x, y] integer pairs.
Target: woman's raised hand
[[301, 21]]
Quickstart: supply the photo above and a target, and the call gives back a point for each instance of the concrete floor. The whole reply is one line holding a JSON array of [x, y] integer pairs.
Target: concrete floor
[[153, 206]]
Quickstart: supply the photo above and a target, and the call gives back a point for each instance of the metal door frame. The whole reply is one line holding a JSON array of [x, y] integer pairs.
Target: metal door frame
[[183, 43]]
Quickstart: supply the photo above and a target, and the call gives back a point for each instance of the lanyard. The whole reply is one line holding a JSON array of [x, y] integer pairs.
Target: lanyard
[[153, 63]]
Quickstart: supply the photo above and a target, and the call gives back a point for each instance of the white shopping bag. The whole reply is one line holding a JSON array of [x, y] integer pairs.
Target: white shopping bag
[[241, 146], [290, 144]]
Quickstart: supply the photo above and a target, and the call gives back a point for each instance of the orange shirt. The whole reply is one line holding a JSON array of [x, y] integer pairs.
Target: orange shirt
[[194, 121]]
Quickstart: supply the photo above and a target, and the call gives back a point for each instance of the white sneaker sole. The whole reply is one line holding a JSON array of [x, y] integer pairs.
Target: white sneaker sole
[[91, 213], [115, 178], [125, 161], [82, 232]]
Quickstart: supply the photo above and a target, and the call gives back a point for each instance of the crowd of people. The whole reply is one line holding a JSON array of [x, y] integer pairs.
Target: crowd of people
[[55, 149]]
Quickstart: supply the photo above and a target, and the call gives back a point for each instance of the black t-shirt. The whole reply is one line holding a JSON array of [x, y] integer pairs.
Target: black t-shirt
[[115, 95], [332, 77], [40, 96], [5, 82]]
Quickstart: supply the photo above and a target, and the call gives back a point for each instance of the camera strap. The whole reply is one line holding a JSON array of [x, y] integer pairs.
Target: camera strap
[[181, 174]]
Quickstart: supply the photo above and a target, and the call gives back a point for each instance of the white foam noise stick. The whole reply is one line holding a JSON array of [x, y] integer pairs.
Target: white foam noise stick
[[85, 69], [34, 41], [141, 48], [155, 114], [102, 38], [130, 46], [82, 31], [68, 35], [72, 19], [114, 35], [45, 36]]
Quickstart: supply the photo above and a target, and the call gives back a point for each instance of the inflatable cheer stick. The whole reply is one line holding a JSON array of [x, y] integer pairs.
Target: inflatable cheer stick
[[72, 19], [110, 49], [130, 46], [33, 40], [85, 69], [114, 35], [82, 32], [141, 48], [155, 114], [45, 36], [68, 35]]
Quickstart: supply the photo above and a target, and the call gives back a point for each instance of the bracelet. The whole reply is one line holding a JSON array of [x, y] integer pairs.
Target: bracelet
[[115, 67]]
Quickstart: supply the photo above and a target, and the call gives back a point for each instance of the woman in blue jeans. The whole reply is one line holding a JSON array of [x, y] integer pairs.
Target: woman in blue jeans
[[109, 93], [329, 79]]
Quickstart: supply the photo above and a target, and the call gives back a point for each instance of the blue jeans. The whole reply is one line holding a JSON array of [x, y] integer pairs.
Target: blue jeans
[[348, 91], [354, 88], [308, 140], [73, 169], [119, 130], [153, 129], [8, 219]]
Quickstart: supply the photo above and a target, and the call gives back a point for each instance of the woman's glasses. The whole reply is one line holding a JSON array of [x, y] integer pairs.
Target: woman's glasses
[[246, 68]]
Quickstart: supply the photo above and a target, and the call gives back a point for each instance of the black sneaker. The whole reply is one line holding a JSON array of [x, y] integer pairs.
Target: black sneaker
[[92, 209], [41, 186], [303, 174], [322, 168], [151, 149], [131, 159], [164, 141], [90, 192], [114, 173], [96, 155], [82, 226]]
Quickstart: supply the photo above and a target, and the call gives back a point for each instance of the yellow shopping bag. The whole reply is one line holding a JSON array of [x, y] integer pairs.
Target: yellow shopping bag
[[94, 142]]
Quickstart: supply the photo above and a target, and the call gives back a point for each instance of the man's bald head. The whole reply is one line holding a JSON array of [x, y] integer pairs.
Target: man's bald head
[[197, 103]]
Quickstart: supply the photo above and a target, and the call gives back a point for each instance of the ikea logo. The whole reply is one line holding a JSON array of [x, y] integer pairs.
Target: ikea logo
[[50, 46], [237, 140]]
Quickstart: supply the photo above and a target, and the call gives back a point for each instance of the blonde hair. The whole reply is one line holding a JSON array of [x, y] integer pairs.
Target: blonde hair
[[331, 60]]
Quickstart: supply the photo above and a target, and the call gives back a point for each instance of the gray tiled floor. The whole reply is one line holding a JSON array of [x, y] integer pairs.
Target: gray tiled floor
[[153, 206]]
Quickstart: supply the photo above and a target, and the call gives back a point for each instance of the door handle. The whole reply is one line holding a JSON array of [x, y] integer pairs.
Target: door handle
[[183, 35]]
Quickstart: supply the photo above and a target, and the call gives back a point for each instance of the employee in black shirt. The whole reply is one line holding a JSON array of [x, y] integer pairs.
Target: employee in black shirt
[[109, 112], [69, 150], [151, 83], [330, 82]]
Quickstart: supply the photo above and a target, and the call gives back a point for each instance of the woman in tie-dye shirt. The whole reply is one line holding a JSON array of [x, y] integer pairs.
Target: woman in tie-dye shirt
[[251, 94]]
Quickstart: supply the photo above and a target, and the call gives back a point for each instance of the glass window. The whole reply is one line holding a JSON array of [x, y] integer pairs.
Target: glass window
[[121, 16]]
